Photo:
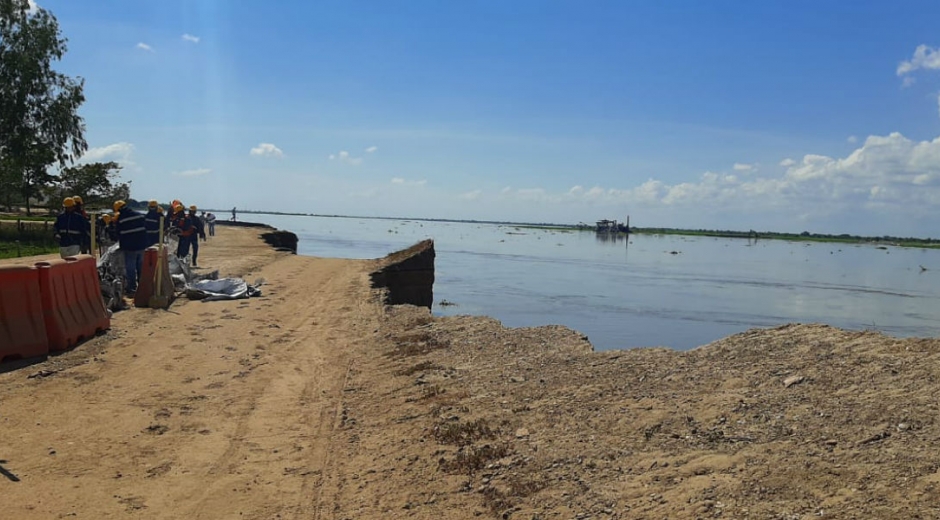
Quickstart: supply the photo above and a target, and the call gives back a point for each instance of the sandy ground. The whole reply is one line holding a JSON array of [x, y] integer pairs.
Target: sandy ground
[[316, 401]]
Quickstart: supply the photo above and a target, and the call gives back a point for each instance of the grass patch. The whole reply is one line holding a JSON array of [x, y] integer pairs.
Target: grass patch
[[24, 218], [12, 250], [26, 239], [463, 433]]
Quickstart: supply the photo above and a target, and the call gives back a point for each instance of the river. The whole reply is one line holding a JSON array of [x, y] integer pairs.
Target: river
[[673, 291]]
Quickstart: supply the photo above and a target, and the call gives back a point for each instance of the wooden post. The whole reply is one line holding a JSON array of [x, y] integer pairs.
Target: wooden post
[[94, 229]]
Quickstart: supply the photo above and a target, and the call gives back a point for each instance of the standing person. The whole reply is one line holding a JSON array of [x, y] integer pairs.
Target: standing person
[[187, 231], [200, 232], [210, 220], [70, 229], [111, 230], [132, 235], [80, 209], [152, 223], [233, 214]]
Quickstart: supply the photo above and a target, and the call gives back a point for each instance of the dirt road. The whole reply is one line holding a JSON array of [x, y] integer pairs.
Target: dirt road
[[210, 410]]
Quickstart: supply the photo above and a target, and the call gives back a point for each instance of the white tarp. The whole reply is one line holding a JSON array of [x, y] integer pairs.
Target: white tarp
[[221, 289]]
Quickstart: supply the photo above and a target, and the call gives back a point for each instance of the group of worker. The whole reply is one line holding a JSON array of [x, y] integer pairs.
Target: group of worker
[[134, 231]]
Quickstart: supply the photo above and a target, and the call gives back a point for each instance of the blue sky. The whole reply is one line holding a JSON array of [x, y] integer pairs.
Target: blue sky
[[787, 116]]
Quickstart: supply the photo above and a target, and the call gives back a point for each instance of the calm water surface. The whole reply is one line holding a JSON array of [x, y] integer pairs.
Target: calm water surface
[[637, 294]]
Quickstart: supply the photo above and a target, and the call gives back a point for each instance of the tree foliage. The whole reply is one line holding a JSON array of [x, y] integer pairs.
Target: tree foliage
[[39, 121], [94, 182]]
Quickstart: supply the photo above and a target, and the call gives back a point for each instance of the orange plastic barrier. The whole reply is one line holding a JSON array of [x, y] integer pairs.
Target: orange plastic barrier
[[147, 285], [71, 301], [22, 330]]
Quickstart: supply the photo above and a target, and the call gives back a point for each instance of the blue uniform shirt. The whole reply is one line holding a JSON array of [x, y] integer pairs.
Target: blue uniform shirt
[[132, 234]]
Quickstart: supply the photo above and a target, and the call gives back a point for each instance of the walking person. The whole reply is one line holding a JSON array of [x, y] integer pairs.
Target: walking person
[[233, 214], [132, 235], [80, 209], [152, 223], [199, 232], [210, 220], [71, 228], [187, 231]]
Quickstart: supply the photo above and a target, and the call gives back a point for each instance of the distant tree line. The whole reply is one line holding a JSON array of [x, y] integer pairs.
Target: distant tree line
[[805, 235]]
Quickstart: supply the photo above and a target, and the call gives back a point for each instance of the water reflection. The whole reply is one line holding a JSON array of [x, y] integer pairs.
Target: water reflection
[[610, 237]]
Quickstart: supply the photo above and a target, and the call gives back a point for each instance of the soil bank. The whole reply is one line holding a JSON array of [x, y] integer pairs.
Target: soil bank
[[318, 401]]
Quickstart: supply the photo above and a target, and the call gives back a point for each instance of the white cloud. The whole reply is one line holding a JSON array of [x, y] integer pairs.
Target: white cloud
[[117, 152], [471, 195], [194, 173], [938, 102], [399, 180], [33, 6], [372, 149], [267, 150], [741, 167], [190, 38], [852, 139], [924, 57], [902, 176], [344, 157], [145, 47]]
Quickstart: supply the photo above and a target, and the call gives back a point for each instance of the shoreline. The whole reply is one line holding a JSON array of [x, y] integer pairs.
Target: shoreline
[[320, 399]]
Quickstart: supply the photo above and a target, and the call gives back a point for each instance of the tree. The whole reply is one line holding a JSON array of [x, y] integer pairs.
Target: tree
[[39, 121], [94, 182]]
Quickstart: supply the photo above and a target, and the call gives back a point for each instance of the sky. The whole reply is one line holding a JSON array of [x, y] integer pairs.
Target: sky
[[778, 115]]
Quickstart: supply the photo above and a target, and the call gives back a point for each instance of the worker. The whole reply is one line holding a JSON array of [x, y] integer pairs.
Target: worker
[[176, 212], [111, 229], [186, 231], [152, 223], [132, 235], [80, 209], [210, 220], [70, 229], [200, 229]]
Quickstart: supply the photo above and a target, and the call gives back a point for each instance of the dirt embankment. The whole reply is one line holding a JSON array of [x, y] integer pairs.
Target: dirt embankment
[[317, 401]]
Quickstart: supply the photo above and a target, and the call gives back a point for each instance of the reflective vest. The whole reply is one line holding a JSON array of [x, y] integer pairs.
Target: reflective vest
[[152, 225], [131, 231], [72, 228]]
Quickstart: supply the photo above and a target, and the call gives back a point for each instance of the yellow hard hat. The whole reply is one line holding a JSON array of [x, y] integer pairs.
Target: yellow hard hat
[[106, 218], [152, 204], [68, 202], [178, 208], [118, 205], [77, 199], [192, 208]]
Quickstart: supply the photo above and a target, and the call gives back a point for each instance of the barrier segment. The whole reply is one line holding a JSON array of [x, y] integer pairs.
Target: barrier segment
[[22, 329], [72, 307], [85, 274], [146, 287]]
